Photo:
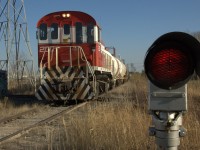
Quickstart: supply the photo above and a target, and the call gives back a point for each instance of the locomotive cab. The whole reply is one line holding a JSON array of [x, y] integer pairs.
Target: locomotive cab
[[64, 29], [59, 31]]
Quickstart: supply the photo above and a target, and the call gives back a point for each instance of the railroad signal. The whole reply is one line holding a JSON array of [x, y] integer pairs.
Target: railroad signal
[[169, 64], [171, 60]]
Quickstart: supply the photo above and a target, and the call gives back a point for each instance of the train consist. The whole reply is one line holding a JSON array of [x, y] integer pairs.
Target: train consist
[[74, 63]]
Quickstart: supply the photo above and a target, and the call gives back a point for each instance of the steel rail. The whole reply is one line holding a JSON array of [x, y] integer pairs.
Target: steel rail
[[49, 119], [7, 119]]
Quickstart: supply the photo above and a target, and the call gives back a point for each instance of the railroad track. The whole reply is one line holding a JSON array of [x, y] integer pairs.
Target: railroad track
[[109, 95], [14, 117], [15, 126]]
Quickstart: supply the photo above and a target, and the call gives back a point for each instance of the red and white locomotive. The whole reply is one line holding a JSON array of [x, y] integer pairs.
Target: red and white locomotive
[[74, 63]]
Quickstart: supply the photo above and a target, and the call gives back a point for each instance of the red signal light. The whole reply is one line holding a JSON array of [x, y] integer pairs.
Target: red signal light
[[169, 65]]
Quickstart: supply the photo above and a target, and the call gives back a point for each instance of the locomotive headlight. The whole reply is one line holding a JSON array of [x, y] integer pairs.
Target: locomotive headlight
[[66, 15]]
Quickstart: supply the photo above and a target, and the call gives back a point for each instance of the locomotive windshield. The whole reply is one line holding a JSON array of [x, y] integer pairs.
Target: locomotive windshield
[[54, 31], [65, 33], [84, 34], [43, 31], [66, 29], [90, 33], [79, 33]]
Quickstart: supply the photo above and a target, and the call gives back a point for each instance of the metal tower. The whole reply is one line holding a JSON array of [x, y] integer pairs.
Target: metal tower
[[15, 51]]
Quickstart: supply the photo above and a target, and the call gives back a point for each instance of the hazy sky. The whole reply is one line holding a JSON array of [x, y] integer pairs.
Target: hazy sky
[[129, 25]]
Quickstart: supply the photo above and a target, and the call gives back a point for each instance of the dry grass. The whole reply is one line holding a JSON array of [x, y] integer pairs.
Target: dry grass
[[7, 108], [109, 127], [124, 124], [192, 119], [115, 124]]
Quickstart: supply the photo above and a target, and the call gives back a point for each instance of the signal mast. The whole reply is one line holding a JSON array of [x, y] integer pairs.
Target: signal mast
[[16, 54], [169, 64]]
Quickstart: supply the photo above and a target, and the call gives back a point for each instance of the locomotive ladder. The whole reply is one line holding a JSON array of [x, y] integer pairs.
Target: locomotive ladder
[[80, 55]]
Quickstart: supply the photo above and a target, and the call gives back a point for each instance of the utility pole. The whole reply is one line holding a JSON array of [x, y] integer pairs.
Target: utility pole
[[16, 54]]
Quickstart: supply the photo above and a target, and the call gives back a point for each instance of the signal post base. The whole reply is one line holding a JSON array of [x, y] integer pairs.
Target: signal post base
[[167, 128]]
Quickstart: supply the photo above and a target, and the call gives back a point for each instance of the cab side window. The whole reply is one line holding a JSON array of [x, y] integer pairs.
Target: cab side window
[[54, 31], [43, 31], [99, 35]]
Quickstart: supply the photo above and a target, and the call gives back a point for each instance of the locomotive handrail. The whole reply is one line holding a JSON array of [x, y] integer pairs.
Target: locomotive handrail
[[90, 68], [41, 67], [81, 56]]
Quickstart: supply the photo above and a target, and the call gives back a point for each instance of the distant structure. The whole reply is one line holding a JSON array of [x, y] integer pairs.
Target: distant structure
[[16, 54], [131, 68]]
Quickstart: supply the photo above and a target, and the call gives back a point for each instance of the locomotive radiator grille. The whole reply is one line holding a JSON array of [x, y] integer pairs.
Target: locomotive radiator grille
[[67, 83]]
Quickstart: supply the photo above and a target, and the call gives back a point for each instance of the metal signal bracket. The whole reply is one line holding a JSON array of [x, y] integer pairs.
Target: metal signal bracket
[[167, 128], [167, 100]]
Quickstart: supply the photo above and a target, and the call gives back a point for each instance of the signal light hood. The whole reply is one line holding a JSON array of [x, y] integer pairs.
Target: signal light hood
[[172, 59]]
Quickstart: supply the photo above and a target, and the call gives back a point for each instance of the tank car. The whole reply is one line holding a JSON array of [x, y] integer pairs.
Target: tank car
[[74, 63]]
